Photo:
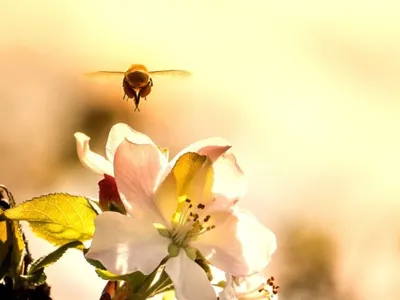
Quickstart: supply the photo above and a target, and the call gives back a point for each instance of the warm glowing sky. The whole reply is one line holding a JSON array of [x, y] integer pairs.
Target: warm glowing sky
[[303, 90]]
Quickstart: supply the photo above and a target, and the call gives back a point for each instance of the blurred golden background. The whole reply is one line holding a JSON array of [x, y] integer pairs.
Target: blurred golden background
[[307, 92]]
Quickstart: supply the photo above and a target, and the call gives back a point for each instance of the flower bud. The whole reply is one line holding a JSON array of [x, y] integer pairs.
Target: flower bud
[[109, 198]]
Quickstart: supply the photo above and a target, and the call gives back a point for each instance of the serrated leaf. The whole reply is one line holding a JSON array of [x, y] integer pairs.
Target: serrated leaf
[[106, 275], [38, 277], [95, 263], [136, 277], [51, 258], [58, 218]]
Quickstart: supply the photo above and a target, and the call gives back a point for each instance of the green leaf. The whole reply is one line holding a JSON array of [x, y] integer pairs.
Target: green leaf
[[37, 277], [204, 264], [136, 278], [163, 284], [58, 218], [51, 258], [94, 263]]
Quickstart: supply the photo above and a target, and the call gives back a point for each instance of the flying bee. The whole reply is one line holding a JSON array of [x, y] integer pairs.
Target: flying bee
[[137, 81]]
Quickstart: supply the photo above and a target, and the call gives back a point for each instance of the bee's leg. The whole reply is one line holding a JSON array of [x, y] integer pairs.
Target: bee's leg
[[145, 91], [137, 100], [151, 82], [129, 92]]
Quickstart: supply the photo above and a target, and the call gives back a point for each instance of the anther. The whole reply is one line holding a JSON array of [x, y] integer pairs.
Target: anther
[[275, 290], [207, 218], [201, 206]]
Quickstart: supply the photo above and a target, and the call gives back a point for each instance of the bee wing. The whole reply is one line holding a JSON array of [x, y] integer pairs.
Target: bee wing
[[105, 74], [180, 73]]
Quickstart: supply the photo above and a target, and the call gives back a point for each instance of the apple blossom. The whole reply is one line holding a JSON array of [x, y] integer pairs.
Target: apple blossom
[[229, 180], [253, 287]]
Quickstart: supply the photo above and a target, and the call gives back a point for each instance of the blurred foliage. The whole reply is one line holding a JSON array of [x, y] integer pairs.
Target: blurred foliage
[[15, 282], [95, 121], [309, 254]]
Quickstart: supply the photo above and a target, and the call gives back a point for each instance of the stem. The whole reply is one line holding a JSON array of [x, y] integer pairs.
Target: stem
[[162, 289], [161, 285]]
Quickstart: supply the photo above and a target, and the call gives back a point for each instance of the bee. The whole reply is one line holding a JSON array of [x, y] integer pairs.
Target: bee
[[137, 81]]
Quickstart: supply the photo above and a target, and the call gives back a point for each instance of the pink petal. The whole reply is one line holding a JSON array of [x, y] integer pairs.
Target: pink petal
[[212, 147], [137, 169], [89, 159], [229, 180], [118, 134], [189, 279], [125, 245], [239, 244]]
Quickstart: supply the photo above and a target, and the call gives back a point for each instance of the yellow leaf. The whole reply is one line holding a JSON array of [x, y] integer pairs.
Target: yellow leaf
[[11, 243], [58, 218], [5, 241], [18, 247]]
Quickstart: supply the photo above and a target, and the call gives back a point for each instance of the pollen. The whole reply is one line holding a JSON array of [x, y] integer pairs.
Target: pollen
[[269, 290], [189, 222]]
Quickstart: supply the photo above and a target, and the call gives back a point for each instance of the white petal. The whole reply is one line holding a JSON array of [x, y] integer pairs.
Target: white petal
[[229, 180], [228, 293], [189, 279], [240, 245], [125, 245], [250, 284], [137, 169], [118, 134], [89, 159]]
